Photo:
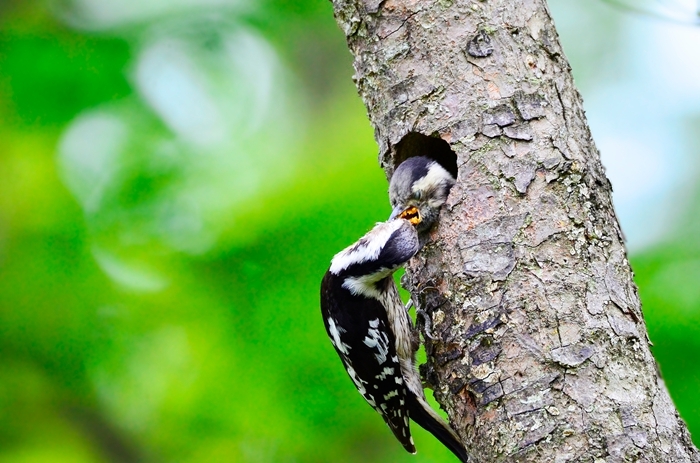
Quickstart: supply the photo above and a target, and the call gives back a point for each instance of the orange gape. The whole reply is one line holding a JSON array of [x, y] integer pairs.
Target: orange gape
[[411, 214]]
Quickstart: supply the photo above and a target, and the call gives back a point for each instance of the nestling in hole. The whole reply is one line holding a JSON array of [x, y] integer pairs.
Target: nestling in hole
[[411, 214]]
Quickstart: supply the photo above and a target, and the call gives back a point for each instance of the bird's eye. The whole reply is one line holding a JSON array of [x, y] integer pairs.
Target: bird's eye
[[417, 194]]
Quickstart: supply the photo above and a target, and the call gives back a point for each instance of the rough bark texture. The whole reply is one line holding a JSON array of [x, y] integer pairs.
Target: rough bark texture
[[540, 350]]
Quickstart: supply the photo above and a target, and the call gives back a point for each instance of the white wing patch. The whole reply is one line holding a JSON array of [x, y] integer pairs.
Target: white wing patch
[[377, 339], [393, 393], [360, 385], [385, 372], [335, 337]]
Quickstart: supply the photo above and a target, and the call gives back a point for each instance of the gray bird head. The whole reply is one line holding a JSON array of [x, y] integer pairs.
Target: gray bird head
[[417, 189]]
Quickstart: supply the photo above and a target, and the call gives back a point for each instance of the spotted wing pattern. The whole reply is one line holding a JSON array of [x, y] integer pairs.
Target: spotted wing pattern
[[359, 331]]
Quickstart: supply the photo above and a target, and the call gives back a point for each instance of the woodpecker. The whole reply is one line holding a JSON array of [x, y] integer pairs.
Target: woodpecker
[[366, 320], [417, 189]]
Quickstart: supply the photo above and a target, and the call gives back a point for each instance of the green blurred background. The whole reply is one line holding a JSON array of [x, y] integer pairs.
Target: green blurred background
[[175, 176]]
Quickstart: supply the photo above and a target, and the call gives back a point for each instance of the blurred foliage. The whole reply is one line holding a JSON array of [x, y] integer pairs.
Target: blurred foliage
[[159, 278], [667, 276]]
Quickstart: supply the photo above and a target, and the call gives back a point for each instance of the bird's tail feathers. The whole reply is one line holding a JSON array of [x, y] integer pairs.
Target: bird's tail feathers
[[403, 435], [429, 420]]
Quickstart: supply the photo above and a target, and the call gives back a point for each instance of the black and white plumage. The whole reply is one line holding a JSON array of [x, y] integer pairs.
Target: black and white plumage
[[372, 332], [418, 188]]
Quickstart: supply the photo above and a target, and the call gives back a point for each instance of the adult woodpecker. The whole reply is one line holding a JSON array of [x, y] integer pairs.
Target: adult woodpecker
[[365, 318]]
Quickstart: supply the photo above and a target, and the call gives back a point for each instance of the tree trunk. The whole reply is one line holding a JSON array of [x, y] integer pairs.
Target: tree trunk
[[540, 351]]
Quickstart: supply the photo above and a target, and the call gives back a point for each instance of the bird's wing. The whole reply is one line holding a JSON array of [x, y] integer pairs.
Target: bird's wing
[[358, 329]]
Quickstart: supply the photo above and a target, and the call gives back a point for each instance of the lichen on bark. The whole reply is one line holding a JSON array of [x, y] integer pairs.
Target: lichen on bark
[[537, 347]]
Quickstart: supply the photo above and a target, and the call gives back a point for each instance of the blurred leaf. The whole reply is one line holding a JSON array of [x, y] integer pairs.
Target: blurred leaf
[[667, 277], [52, 77]]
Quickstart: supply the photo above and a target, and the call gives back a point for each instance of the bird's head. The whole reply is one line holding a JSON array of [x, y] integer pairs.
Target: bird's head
[[418, 188]]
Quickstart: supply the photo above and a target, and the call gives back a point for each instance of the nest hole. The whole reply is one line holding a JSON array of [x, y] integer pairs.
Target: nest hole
[[434, 147]]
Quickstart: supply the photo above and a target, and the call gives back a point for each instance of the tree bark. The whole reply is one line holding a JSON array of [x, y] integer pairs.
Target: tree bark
[[540, 351]]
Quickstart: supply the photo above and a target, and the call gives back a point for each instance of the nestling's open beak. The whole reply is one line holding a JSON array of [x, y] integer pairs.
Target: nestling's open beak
[[410, 213]]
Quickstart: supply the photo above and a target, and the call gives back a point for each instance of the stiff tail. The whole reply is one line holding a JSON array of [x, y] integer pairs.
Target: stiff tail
[[429, 420], [403, 435]]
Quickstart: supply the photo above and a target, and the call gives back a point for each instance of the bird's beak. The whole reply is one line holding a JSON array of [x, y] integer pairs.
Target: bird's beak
[[409, 213], [396, 212]]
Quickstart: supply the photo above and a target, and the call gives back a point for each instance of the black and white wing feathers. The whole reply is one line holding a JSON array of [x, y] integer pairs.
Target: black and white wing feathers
[[372, 333], [359, 331]]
